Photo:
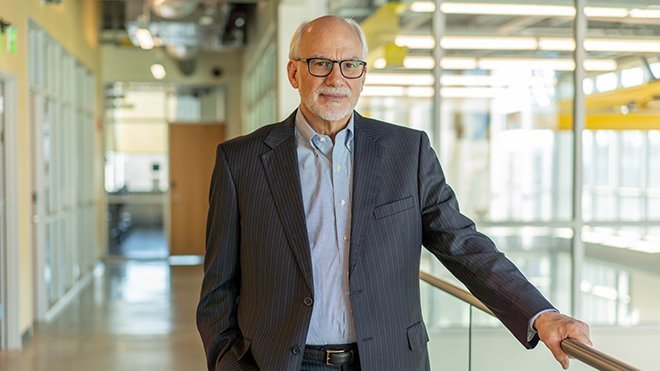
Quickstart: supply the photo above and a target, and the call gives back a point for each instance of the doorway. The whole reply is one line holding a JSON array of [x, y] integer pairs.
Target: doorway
[[192, 155], [160, 149]]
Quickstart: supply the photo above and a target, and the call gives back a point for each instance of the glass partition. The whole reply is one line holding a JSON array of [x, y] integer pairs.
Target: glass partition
[[62, 111], [506, 86], [494, 348], [447, 323], [621, 195]]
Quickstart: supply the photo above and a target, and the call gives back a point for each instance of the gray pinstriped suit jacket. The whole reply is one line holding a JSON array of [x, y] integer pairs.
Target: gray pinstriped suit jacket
[[258, 273]]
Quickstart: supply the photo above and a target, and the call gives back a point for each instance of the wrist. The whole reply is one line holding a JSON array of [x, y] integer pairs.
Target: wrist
[[542, 318]]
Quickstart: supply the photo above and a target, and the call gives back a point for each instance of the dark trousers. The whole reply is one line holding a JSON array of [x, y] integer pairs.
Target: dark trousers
[[316, 366]]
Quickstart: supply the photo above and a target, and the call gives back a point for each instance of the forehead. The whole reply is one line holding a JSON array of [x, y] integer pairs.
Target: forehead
[[331, 39]]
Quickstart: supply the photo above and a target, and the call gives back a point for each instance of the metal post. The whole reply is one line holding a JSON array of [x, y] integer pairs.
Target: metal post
[[578, 127], [438, 29]]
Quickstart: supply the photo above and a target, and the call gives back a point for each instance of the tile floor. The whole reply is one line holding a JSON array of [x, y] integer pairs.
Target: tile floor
[[137, 315]]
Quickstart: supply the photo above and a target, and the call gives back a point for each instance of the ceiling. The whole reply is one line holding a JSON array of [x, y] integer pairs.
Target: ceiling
[[490, 24], [183, 28]]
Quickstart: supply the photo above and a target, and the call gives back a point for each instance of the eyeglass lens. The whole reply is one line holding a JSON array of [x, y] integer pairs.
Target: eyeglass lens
[[322, 67]]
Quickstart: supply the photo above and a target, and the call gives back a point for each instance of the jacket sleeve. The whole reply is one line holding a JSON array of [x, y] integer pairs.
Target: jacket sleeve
[[216, 311], [470, 255]]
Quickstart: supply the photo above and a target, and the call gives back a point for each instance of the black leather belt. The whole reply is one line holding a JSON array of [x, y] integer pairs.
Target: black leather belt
[[330, 355]]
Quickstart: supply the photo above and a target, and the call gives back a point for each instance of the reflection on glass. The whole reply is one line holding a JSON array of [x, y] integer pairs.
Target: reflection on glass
[[543, 255], [620, 274], [447, 321]]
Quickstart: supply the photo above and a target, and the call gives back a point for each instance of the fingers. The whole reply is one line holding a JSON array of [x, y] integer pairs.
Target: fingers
[[553, 328], [553, 342], [558, 353]]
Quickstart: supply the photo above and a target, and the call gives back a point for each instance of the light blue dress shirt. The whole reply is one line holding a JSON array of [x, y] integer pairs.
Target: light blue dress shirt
[[326, 179]]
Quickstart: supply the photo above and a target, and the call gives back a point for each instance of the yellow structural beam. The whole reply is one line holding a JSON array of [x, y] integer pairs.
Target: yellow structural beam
[[613, 121], [381, 29], [605, 111]]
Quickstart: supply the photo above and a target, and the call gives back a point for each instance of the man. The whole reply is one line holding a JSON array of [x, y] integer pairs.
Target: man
[[315, 229]]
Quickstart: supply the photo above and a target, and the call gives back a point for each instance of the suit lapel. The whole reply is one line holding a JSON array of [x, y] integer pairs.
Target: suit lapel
[[281, 168], [366, 177]]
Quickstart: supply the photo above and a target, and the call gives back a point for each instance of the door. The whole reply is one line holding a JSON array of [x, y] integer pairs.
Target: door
[[3, 244], [191, 159]]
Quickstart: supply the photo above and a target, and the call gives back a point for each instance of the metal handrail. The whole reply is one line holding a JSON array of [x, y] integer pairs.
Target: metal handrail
[[582, 352]]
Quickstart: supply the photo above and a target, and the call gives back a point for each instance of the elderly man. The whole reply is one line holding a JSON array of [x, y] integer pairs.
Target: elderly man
[[315, 230]]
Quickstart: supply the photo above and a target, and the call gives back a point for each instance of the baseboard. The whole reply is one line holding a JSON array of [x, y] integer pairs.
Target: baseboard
[[70, 294]]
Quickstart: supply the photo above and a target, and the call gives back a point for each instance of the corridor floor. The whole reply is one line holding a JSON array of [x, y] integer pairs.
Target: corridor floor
[[137, 315]]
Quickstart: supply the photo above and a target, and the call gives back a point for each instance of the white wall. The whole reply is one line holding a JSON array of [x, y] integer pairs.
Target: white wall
[[290, 15], [132, 65]]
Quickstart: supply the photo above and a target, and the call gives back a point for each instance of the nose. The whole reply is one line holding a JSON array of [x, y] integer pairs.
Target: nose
[[335, 77]]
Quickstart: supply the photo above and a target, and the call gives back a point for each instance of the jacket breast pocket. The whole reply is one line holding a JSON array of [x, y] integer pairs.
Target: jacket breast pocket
[[417, 336], [394, 207]]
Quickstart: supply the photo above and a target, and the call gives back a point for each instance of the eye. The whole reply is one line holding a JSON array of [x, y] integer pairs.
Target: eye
[[324, 63], [354, 65]]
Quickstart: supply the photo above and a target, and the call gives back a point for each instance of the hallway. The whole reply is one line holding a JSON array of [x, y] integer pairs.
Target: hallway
[[134, 315]]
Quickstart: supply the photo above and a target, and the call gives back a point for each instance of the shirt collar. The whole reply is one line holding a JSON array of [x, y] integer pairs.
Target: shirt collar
[[310, 136]]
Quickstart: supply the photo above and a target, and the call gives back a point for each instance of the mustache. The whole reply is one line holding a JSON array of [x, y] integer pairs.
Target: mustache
[[342, 90]]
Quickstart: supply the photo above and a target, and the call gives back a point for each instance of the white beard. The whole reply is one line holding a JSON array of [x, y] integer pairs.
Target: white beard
[[332, 111]]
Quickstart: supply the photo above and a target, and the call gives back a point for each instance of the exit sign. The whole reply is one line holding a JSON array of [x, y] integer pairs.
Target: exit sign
[[11, 35]]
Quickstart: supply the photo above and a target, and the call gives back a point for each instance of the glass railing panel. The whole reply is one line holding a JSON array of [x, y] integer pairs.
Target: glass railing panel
[[447, 322], [494, 348]]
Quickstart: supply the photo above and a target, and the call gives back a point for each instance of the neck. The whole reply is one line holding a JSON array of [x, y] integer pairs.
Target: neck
[[325, 127]]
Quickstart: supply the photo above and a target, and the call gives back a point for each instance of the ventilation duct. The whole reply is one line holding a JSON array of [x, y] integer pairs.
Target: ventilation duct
[[183, 27], [174, 9], [184, 56]]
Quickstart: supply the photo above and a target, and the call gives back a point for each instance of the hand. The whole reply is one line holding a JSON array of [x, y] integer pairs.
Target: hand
[[554, 327]]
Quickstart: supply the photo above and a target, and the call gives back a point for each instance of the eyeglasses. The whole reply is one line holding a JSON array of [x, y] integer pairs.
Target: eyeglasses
[[321, 67]]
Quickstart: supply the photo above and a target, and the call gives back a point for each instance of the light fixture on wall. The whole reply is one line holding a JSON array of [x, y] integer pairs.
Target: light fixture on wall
[[158, 71], [157, 68], [144, 38], [142, 33]]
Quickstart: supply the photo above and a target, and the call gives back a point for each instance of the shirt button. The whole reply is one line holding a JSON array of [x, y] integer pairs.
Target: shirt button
[[296, 350], [343, 202], [308, 301], [322, 139], [345, 238], [338, 168]]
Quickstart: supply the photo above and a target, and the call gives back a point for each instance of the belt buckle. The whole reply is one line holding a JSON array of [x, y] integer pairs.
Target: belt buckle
[[329, 353]]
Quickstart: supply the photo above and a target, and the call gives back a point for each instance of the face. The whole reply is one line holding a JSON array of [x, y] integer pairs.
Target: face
[[331, 98]]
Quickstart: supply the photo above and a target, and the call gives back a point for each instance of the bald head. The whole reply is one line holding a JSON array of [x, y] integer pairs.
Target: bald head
[[326, 26]]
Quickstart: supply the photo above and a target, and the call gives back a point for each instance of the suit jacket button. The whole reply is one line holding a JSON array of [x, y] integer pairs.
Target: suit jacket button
[[308, 301], [296, 350]]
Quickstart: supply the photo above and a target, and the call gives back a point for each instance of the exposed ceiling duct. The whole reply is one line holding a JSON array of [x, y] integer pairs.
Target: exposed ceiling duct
[[186, 27], [174, 9]]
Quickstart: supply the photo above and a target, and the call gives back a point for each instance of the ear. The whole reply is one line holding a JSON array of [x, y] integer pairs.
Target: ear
[[291, 71]]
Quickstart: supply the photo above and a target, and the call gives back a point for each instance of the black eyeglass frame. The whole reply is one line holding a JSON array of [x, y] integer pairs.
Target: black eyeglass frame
[[338, 62]]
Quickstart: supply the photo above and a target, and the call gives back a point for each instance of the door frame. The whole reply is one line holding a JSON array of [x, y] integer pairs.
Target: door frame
[[12, 332], [37, 207]]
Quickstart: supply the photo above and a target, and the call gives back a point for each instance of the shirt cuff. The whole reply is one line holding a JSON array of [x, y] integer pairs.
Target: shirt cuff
[[531, 331]]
